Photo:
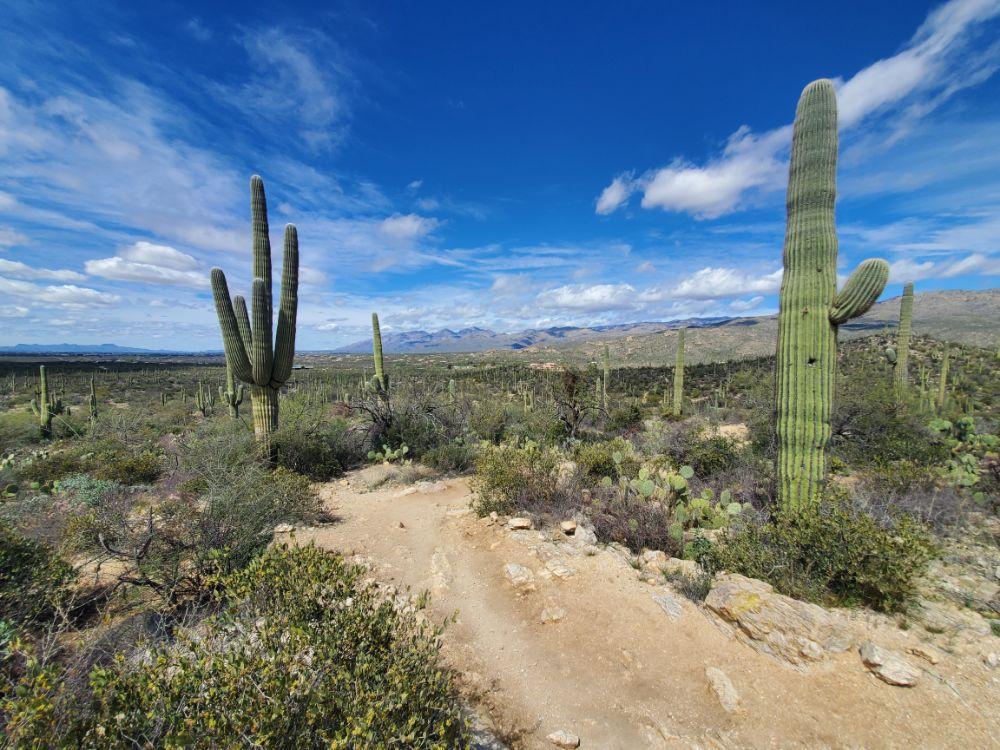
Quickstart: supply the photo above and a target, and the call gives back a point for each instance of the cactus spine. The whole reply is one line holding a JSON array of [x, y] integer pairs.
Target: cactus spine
[[41, 405], [679, 374], [810, 307], [233, 394], [256, 361], [381, 381], [902, 374]]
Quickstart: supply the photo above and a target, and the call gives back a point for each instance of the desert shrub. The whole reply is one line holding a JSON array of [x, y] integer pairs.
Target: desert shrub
[[34, 581], [834, 553], [47, 468], [631, 520], [142, 467], [303, 654], [319, 452], [17, 430], [87, 490], [509, 477], [488, 420], [625, 417], [609, 458], [456, 456]]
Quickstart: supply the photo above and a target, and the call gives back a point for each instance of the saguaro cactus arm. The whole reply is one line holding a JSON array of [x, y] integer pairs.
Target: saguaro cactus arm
[[861, 290], [232, 341], [284, 343]]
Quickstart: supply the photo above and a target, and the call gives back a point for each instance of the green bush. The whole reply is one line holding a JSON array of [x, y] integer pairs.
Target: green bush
[[304, 654], [625, 417], [598, 460], [86, 490], [455, 456], [34, 581], [144, 467], [489, 420], [320, 452], [834, 553], [47, 468], [510, 478]]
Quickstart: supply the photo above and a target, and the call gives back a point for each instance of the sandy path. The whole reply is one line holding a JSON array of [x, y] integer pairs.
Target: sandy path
[[616, 670]]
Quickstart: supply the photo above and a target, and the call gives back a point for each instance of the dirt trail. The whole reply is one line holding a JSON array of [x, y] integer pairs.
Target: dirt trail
[[616, 670]]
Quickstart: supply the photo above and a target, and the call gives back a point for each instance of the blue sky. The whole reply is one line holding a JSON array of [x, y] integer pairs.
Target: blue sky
[[453, 164]]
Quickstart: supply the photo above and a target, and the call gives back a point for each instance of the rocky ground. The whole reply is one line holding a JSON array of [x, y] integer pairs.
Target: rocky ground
[[561, 642]]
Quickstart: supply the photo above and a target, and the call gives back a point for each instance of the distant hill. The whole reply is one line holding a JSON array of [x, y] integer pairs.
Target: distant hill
[[77, 349], [959, 316], [483, 339]]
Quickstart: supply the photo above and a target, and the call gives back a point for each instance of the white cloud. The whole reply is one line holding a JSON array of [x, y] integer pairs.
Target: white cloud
[[594, 298], [198, 30], [907, 269], [617, 193], [9, 237], [935, 65], [20, 270], [67, 296], [147, 263], [745, 305], [407, 227], [717, 283], [13, 311]]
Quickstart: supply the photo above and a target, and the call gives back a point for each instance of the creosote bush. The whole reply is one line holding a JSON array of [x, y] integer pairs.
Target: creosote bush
[[510, 477], [832, 554], [34, 581], [303, 654], [319, 451]]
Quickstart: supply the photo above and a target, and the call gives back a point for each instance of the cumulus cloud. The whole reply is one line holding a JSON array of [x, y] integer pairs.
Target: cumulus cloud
[[593, 298], [906, 269], [936, 63], [20, 270], [745, 305], [717, 283], [407, 227], [67, 296], [147, 263]]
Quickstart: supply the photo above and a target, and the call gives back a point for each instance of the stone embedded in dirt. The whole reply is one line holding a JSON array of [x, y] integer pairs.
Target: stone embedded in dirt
[[677, 566], [723, 688], [283, 528], [653, 558], [778, 625], [568, 527], [584, 536], [944, 617], [519, 576], [992, 660], [669, 604], [562, 738], [519, 522], [927, 653], [888, 666], [552, 614], [440, 570], [559, 569], [412, 490]]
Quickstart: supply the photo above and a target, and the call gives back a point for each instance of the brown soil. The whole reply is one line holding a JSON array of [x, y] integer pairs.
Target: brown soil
[[616, 670]]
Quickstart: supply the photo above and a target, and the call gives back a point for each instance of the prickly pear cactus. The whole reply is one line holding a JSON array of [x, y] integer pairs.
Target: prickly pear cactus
[[810, 307]]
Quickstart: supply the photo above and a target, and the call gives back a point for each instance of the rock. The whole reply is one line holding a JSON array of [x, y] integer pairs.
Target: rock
[[411, 490], [669, 604], [568, 527], [723, 688], [440, 570], [888, 666], [927, 653], [283, 528], [943, 617], [552, 614], [653, 558], [566, 473], [584, 536], [559, 569], [494, 516], [562, 738], [519, 576], [519, 522], [991, 660], [778, 625], [677, 566]]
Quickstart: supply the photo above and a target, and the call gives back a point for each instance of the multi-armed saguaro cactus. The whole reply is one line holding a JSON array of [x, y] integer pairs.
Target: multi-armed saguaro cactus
[[45, 405], [256, 361], [232, 395], [901, 375], [810, 307], [942, 397], [679, 374], [380, 383], [204, 400]]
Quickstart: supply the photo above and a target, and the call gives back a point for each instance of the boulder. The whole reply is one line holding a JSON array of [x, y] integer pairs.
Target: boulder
[[796, 632], [723, 688], [888, 666], [519, 522], [519, 576], [562, 738], [568, 527]]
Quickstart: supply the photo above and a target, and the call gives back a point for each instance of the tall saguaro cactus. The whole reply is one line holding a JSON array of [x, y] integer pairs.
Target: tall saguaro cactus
[[263, 365], [606, 361], [810, 307], [679, 374], [901, 373], [41, 405], [233, 394], [381, 379], [92, 401]]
